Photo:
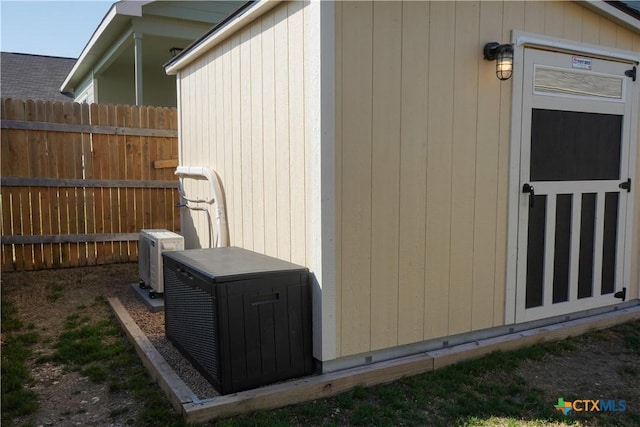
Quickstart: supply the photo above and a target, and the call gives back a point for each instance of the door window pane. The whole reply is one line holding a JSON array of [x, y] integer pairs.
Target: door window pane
[[574, 146], [535, 252], [609, 243], [562, 248], [587, 235]]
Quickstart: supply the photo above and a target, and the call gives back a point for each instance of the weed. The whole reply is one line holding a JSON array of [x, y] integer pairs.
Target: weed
[[99, 300], [345, 401], [364, 414], [16, 399], [632, 342], [99, 351], [629, 370], [313, 410], [55, 292], [114, 413], [95, 373], [8, 313]]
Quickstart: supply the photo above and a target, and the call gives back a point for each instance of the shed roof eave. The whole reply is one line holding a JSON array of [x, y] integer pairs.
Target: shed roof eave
[[219, 33], [86, 60]]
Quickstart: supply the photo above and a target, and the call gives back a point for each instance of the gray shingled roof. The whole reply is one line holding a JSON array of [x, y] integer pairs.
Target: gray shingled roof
[[26, 76]]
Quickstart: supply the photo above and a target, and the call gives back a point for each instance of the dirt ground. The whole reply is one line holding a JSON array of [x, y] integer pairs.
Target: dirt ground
[[598, 369], [45, 299]]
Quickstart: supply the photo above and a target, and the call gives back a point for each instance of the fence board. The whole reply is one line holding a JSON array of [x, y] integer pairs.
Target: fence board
[[133, 172], [72, 156], [16, 147], [145, 172], [69, 238], [72, 171], [89, 193], [3, 232], [27, 224], [7, 228], [155, 150], [56, 151], [44, 194], [117, 142], [37, 160], [101, 160]]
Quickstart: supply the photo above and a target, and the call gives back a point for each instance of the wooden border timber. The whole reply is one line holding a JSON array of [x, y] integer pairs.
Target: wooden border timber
[[177, 391], [326, 385], [14, 181], [102, 130], [555, 332]]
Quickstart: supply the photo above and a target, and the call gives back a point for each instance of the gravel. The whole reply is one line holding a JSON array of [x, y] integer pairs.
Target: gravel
[[152, 324]]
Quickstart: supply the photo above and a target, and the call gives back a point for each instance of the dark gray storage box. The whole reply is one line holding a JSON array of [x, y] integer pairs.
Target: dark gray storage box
[[242, 318]]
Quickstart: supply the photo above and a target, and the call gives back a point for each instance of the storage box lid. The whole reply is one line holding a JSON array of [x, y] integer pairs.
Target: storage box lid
[[232, 263]]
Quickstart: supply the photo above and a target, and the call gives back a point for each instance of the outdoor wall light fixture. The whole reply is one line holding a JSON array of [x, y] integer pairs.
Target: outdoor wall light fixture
[[503, 55]]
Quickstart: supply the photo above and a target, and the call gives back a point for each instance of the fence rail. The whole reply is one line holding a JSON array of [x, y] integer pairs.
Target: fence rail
[[80, 181]]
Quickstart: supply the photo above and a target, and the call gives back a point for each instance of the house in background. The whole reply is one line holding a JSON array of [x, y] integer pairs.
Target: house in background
[[433, 203], [38, 77], [123, 61]]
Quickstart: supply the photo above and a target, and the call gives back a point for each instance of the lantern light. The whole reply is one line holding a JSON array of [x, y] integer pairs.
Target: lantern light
[[503, 55]]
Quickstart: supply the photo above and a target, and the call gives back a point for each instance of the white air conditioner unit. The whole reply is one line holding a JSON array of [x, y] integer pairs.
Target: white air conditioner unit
[[151, 245]]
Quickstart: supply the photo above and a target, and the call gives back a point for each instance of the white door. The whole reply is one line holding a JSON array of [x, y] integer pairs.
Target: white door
[[574, 167]]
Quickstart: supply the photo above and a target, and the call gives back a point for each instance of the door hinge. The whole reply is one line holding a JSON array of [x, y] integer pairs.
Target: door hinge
[[621, 294], [631, 73], [626, 185]]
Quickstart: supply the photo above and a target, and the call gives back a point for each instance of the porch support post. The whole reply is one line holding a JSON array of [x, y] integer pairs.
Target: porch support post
[[137, 47]]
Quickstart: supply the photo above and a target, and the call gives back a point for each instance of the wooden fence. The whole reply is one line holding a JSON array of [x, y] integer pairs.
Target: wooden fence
[[80, 181]]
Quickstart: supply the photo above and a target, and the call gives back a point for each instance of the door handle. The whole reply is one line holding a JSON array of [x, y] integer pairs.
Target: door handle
[[527, 188]]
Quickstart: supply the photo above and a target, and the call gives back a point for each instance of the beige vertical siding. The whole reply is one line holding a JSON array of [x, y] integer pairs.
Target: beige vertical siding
[[422, 153], [242, 112]]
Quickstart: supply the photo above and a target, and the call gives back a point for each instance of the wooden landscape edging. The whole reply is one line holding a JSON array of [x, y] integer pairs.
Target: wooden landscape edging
[[331, 384], [173, 386]]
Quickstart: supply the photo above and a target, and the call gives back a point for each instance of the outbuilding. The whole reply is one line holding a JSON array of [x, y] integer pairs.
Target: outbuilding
[[434, 203]]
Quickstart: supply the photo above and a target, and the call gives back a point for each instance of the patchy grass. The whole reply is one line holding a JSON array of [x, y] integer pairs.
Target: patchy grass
[[491, 391], [482, 392], [54, 292], [17, 399], [477, 392], [98, 349]]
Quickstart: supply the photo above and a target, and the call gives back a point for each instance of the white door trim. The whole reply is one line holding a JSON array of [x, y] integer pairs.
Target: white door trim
[[522, 40], [560, 45]]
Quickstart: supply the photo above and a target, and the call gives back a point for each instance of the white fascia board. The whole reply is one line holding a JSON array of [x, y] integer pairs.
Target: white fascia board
[[254, 12], [130, 7], [613, 13], [123, 8]]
